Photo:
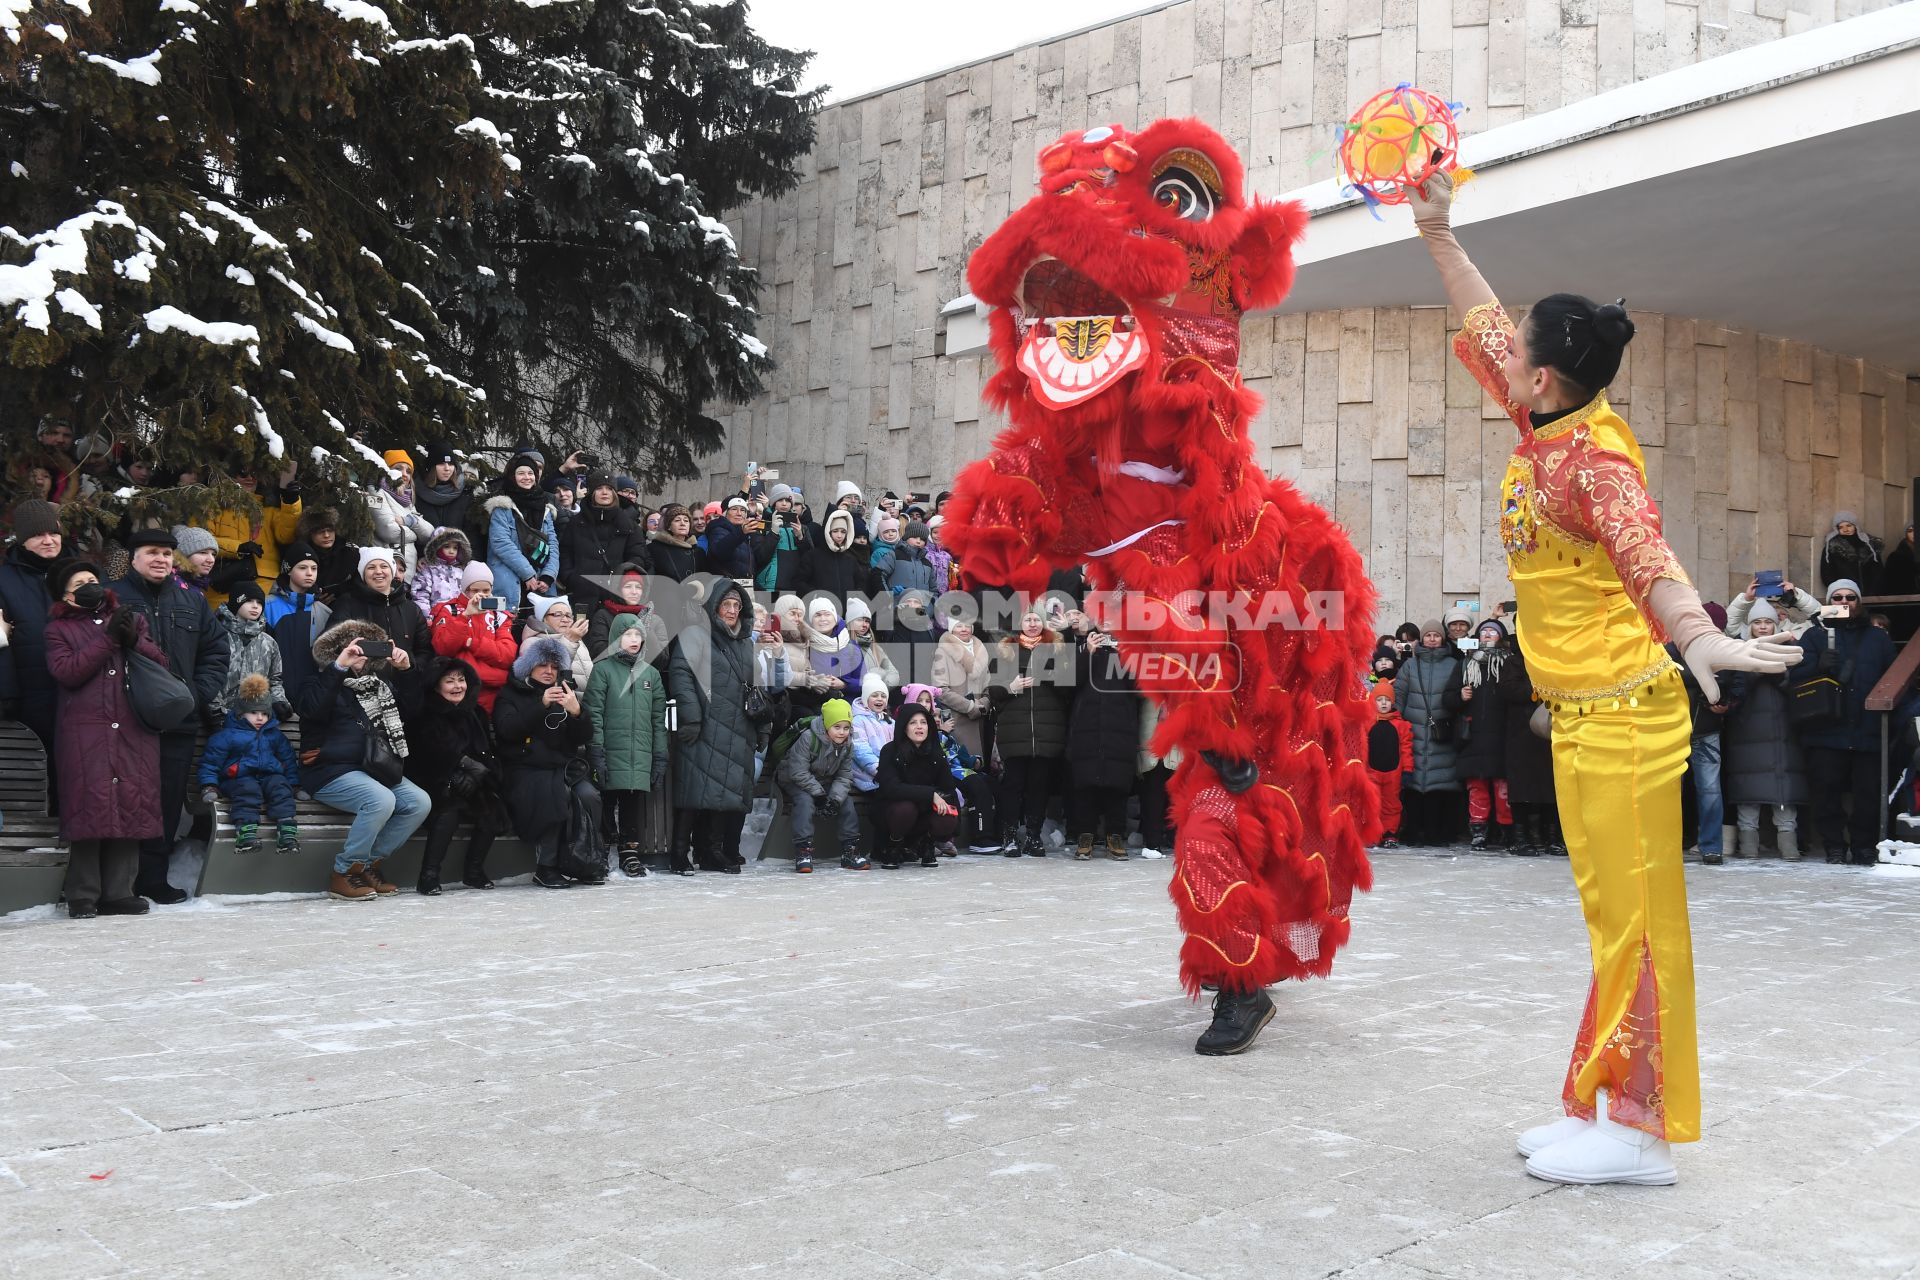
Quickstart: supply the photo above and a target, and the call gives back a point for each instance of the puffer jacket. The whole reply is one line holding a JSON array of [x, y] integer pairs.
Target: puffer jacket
[[482, 640], [594, 546], [23, 663], [1033, 724], [252, 651], [1104, 722], [394, 613], [627, 702], [872, 731], [232, 528], [961, 669], [839, 570], [435, 580], [1427, 696], [508, 536], [911, 571], [672, 558], [397, 526], [440, 732], [708, 677], [818, 765], [1761, 761], [915, 772], [445, 506], [1484, 754], [240, 750]]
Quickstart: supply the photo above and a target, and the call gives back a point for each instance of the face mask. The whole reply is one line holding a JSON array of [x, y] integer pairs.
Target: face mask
[[89, 595]]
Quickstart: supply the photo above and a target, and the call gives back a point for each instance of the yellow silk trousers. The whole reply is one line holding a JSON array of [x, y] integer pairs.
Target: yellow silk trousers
[[1616, 769]]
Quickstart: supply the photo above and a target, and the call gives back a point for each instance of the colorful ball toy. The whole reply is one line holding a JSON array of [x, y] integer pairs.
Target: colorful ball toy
[[1396, 140]]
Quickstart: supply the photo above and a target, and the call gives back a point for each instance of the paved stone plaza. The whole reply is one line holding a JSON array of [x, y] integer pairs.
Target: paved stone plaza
[[979, 1070]]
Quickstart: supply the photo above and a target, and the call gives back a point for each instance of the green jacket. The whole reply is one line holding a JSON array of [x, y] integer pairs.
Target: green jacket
[[628, 706]]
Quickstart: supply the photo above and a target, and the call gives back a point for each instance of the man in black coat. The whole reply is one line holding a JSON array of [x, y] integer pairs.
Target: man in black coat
[[597, 541], [26, 688], [196, 647]]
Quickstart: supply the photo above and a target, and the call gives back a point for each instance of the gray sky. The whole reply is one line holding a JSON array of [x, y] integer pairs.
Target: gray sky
[[868, 44]]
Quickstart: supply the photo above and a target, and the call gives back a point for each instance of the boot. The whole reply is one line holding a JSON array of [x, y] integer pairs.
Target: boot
[[583, 870], [929, 855], [1083, 851], [381, 885], [429, 883], [1605, 1152], [1503, 835], [1556, 839], [948, 849], [351, 885], [82, 911], [1479, 835], [1746, 842], [476, 874], [289, 841], [803, 857], [246, 838], [1789, 842], [632, 865], [1238, 1017], [1117, 848], [679, 859], [891, 853], [1529, 835], [853, 860], [1016, 842], [1033, 846], [1542, 1136], [551, 878], [135, 906]]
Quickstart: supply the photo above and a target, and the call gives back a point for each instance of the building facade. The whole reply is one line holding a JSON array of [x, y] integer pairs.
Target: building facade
[[1754, 433]]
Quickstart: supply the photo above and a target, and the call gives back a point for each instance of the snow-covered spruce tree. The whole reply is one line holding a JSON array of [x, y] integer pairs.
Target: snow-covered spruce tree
[[606, 298], [208, 233]]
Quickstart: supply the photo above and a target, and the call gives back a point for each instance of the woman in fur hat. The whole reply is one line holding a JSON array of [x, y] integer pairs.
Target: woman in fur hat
[[523, 549], [543, 731], [453, 760], [339, 559]]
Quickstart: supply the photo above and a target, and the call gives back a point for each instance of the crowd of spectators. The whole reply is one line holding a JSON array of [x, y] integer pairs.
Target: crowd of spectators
[[546, 656]]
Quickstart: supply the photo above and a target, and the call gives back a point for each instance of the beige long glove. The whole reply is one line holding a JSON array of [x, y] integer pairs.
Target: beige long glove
[[1702, 646], [1433, 215]]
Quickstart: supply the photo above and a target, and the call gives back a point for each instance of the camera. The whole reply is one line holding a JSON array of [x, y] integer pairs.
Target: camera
[[589, 460], [493, 603], [376, 648]]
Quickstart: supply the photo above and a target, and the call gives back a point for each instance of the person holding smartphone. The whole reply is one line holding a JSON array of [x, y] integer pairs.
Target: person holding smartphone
[[1843, 752], [1796, 609], [475, 627]]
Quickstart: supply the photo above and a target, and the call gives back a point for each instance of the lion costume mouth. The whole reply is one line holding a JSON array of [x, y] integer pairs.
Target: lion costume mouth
[[1079, 338]]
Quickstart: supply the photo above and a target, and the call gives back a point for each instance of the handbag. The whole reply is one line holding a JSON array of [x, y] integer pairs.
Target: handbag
[[1439, 732], [377, 760], [1821, 702], [161, 701], [760, 704]]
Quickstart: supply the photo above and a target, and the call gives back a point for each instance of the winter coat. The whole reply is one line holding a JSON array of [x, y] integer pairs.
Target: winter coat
[[874, 659], [273, 531], [516, 552], [777, 555], [670, 557], [961, 671], [1900, 576], [184, 627], [444, 507], [1103, 722], [836, 654], [607, 612], [1390, 745], [1857, 558], [817, 765], [1485, 718], [1529, 756], [715, 769], [1707, 721], [252, 651], [1871, 651], [910, 571], [915, 772], [440, 732], [593, 547], [842, 574], [282, 601], [484, 641], [1797, 613], [23, 663], [332, 720], [1427, 696], [537, 744], [108, 764], [627, 702], [1761, 760], [1034, 723], [397, 526], [729, 554], [434, 580], [872, 731], [579, 664], [241, 751], [394, 613]]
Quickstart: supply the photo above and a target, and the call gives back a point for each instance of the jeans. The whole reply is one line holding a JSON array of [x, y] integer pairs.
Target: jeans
[[801, 808], [1704, 764], [383, 817]]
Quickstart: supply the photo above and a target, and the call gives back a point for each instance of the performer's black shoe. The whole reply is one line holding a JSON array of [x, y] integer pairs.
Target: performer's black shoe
[[1238, 1018]]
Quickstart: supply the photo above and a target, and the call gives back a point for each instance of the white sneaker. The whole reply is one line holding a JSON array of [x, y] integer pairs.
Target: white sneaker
[[1542, 1136], [1606, 1152]]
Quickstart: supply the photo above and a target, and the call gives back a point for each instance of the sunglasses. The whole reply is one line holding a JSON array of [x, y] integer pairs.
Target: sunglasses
[[1841, 597]]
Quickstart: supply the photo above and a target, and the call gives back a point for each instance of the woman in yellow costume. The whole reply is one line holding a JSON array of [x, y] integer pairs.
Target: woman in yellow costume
[[1599, 591]]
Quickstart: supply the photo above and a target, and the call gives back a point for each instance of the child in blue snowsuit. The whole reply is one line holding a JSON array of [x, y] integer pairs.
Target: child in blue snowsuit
[[252, 764]]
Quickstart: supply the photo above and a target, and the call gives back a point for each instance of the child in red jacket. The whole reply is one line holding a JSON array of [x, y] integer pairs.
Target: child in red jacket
[[1389, 754]]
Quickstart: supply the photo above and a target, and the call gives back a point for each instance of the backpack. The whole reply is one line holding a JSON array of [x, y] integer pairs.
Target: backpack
[[784, 743]]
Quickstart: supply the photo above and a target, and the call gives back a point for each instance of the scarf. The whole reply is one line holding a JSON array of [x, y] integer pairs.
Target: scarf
[[530, 503], [383, 714], [827, 641], [1485, 666]]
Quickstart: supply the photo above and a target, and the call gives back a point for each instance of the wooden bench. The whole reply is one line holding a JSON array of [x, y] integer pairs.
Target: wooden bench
[[33, 861]]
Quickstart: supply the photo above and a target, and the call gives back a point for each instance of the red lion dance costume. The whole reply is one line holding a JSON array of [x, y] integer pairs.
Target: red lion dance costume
[[1117, 296]]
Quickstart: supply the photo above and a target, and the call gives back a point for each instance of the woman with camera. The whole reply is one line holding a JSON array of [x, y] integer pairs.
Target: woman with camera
[[544, 732], [355, 751], [451, 759]]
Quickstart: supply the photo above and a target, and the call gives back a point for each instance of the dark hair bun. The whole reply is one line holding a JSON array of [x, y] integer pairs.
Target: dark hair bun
[[1612, 325]]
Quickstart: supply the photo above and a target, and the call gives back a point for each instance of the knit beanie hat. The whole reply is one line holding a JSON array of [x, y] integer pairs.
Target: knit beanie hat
[[858, 609], [916, 529], [778, 492], [788, 602], [1717, 612], [884, 525], [298, 553], [476, 571], [1381, 689], [1842, 584], [397, 458], [1431, 627], [846, 489], [255, 695], [835, 711], [871, 683], [189, 540], [1763, 612], [626, 482], [247, 590], [369, 554], [33, 517], [62, 573]]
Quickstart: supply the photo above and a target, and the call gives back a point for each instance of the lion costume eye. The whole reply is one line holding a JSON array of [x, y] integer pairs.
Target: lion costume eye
[[1183, 194]]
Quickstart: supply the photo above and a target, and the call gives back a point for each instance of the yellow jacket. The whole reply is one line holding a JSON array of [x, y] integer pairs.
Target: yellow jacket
[[232, 528]]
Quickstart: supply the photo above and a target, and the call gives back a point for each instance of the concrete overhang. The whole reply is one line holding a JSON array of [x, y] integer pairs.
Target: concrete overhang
[[1775, 189]]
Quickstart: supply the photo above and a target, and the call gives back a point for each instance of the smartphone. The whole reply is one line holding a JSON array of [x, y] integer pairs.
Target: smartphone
[[769, 474], [1468, 643], [1769, 584], [589, 460], [377, 648], [1830, 612], [491, 603]]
